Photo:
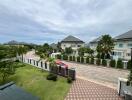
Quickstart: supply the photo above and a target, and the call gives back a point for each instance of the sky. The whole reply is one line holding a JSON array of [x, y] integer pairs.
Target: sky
[[41, 21]]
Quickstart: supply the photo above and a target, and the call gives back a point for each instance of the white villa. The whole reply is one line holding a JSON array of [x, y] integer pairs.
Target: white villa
[[72, 42], [123, 45]]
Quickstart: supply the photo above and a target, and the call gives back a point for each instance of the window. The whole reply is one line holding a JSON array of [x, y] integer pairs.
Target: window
[[79, 45], [128, 54], [129, 44], [120, 45]]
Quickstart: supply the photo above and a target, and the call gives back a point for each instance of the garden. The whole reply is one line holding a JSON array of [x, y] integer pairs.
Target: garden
[[42, 84]]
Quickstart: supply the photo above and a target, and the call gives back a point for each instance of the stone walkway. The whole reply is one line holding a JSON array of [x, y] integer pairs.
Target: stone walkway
[[86, 90]]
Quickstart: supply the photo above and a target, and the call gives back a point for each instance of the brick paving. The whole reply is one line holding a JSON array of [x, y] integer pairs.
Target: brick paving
[[86, 90]]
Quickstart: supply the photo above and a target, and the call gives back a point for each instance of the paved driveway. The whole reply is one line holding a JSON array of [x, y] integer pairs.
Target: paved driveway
[[99, 74], [86, 90]]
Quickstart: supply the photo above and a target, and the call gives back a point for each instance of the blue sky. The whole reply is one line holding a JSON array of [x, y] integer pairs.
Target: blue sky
[[40, 21]]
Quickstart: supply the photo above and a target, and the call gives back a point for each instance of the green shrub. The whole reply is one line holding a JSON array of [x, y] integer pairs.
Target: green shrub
[[17, 60], [98, 61], [70, 58], [69, 80], [78, 59], [73, 59], [58, 56], [87, 60], [82, 59], [119, 64], [129, 66], [65, 57], [52, 76], [112, 63], [92, 60], [104, 62]]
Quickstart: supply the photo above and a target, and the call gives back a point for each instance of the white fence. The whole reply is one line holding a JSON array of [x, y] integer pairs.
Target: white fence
[[37, 63]]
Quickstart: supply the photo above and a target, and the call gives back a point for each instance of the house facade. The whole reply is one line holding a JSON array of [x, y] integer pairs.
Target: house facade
[[122, 48], [72, 42], [123, 45]]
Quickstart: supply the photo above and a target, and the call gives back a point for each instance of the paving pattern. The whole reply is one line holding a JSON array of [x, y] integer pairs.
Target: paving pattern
[[86, 90]]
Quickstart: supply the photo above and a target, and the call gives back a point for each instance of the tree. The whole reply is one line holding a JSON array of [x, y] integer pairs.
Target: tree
[[81, 51], [68, 50], [21, 50], [6, 69], [105, 45], [59, 47]]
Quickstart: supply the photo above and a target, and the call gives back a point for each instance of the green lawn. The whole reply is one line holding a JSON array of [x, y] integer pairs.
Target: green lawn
[[34, 81]]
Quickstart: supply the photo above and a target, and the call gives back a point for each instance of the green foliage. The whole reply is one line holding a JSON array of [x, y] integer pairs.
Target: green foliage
[[104, 62], [44, 49], [6, 69], [98, 55], [119, 63], [52, 76], [130, 77], [105, 45], [78, 59], [83, 50], [82, 59], [58, 56], [73, 59], [98, 61], [92, 60], [68, 50], [69, 80], [70, 58], [129, 64], [87, 60], [112, 63], [65, 57]]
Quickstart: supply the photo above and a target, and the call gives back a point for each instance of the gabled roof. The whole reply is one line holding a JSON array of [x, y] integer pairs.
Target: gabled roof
[[54, 46], [71, 38], [127, 35], [10, 91], [96, 40]]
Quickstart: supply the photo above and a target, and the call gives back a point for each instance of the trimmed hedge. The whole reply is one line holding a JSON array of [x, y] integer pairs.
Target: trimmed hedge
[[73, 59], [69, 80], [129, 66], [87, 60], [58, 56], [98, 61], [112, 63], [104, 62], [92, 61], [70, 58], [52, 76], [82, 60], [78, 59], [119, 64], [65, 57]]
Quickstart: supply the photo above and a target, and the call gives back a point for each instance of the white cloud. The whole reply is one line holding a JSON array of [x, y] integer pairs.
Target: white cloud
[[40, 20]]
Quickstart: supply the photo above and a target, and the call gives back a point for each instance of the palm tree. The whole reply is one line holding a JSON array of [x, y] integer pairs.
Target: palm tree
[[105, 45], [21, 50]]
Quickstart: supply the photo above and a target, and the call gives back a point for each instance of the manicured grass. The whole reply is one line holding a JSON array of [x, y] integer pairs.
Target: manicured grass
[[34, 81]]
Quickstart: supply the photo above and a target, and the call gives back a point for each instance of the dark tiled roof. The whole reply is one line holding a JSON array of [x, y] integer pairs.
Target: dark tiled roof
[[54, 46], [10, 91], [96, 40], [71, 38], [127, 35]]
